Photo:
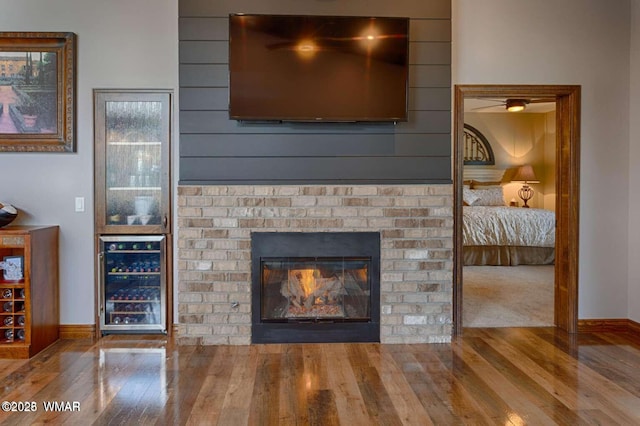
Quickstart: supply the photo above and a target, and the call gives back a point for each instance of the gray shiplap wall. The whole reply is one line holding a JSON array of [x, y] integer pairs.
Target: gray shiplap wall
[[217, 150]]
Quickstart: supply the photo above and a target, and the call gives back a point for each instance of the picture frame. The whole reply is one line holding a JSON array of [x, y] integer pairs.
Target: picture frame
[[37, 91], [16, 273]]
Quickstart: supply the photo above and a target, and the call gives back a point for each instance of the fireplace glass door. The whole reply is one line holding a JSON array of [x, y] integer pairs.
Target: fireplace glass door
[[315, 289]]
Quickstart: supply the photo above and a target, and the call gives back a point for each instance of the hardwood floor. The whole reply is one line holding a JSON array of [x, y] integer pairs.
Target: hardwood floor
[[506, 376]]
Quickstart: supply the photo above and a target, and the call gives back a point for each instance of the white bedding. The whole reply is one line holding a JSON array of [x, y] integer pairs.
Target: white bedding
[[508, 226]]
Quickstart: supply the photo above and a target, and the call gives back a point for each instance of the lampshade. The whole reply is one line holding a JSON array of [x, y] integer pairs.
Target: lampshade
[[516, 105], [525, 174]]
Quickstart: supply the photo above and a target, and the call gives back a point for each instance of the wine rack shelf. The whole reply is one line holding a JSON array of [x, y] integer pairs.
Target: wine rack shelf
[[29, 307], [132, 284]]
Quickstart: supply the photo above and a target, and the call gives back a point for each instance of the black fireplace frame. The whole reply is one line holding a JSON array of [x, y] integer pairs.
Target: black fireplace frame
[[314, 245]]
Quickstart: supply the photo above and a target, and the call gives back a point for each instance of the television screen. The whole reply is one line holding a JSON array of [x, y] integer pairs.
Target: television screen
[[318, 68]]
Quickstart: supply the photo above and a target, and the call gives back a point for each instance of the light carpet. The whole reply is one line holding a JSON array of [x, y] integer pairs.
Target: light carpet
[[507, 296]]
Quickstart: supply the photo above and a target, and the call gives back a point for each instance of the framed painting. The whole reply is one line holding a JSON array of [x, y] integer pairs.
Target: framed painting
[[37, 91]]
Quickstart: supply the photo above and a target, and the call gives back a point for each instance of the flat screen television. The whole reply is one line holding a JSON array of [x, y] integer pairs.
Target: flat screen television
[[318, 68]]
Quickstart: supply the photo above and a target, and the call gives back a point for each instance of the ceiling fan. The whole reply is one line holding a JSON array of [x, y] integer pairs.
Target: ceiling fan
[[512, 104]]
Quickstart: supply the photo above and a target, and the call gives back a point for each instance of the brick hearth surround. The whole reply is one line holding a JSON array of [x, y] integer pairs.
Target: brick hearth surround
[[214, 252]]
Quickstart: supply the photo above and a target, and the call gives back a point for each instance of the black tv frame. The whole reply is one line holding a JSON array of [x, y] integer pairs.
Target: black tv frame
[[322, 117]]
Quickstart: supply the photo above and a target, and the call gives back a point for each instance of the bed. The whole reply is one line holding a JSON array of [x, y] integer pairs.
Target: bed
[[493, 233], [508, 236]]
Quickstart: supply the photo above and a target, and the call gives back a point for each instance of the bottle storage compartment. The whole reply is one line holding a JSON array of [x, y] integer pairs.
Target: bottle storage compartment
[[133, 289], [13, 300], [12, 313]]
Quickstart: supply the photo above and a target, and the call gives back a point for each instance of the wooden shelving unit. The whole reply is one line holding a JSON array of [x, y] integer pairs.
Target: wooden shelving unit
[[32, 302]]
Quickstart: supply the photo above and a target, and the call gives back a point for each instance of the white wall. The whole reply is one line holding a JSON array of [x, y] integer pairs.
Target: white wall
[[128, 44], [634, 167], [584, 42]]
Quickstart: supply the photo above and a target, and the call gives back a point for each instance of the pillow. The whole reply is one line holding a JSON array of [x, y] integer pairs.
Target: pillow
[[492, 196], [468, 196]]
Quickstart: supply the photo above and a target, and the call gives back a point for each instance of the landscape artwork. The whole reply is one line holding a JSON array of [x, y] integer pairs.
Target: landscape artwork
[[28, 92], [37, 92]]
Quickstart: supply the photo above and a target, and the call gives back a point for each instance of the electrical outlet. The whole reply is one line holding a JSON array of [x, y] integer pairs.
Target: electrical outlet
[[79, 204]]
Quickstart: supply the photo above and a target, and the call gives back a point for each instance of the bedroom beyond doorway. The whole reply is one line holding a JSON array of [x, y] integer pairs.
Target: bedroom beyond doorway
[[567, 100]]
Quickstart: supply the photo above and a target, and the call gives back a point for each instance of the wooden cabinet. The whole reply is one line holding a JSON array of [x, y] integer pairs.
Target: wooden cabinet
[[132, 150], [29, 317]]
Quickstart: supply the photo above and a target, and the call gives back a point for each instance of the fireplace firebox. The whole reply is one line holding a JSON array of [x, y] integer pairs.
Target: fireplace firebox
[[315, 287]]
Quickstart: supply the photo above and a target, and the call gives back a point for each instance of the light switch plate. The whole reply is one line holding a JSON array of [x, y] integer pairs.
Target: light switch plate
[[79, 204]]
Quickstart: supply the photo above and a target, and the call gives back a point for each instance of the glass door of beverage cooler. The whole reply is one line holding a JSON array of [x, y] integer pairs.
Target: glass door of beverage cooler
[[132, 284], [132, 144]]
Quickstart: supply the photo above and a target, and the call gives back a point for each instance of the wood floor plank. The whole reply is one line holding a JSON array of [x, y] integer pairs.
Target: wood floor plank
[[462, 393], [612, 398], [350, 404], [517, 405], [410, 410], [509, 367], [561, 390], [184, 378], [208, 404], [46, 382], [7, 366], [322, 408], [559, 354], [293, 387], [444, 396], [235, 409], [488, 376], [625, 370], [375, 396], [318, 398], [265, 402], [595, 418], [126, 374]]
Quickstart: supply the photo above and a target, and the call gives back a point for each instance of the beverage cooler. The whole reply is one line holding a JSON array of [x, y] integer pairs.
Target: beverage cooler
[[132, 284]]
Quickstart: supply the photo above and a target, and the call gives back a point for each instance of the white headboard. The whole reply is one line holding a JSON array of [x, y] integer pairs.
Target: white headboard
[[482, 173]]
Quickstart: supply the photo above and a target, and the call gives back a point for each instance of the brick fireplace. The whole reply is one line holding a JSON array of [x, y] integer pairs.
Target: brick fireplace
[[315, 287], [215, 224]]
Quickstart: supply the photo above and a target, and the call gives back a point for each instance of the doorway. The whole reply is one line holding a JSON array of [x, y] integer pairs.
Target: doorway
[[567, 197]]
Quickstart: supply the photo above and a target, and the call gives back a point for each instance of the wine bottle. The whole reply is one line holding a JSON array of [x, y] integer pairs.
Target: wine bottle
[[7, 293], [8, 334], [8, 321], [20, 334], [21, 320], [7, 307]]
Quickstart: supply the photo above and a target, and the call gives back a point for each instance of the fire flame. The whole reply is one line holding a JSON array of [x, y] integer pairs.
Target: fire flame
[[308, 279]]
